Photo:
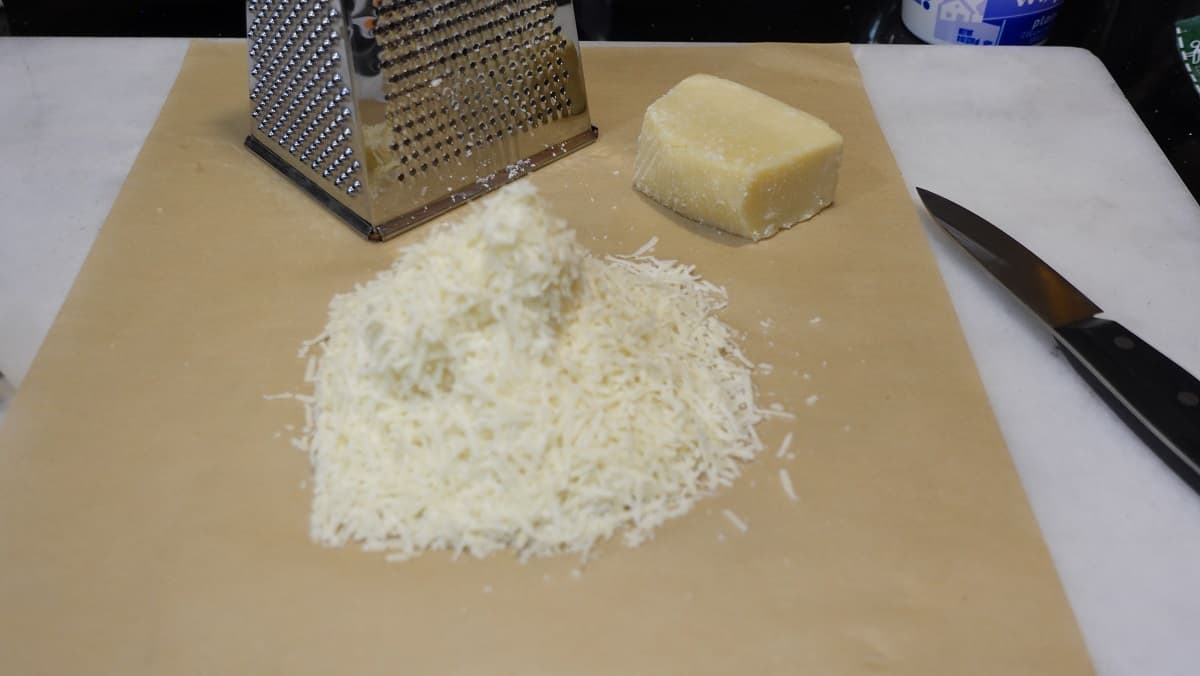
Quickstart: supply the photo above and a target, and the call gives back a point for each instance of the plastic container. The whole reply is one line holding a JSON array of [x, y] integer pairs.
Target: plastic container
[[980, 22]]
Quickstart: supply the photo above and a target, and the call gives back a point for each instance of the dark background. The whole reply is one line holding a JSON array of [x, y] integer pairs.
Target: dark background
[[1134, 38]]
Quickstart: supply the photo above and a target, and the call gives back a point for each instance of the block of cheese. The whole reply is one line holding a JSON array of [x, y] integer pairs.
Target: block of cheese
[[723, 154]]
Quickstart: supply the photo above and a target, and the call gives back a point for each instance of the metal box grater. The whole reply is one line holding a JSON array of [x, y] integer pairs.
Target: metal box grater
[[392, 112]]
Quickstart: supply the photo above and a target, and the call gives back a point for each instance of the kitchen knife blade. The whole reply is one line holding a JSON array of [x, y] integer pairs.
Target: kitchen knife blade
[[1156, 397]]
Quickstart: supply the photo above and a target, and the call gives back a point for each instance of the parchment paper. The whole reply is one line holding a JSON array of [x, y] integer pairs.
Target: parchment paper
[[151, 521]]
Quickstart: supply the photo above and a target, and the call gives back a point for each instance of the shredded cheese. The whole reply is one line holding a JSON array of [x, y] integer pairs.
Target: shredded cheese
[[785, 480], [646, 248], [736, 520], [784, 445], [500, 388]]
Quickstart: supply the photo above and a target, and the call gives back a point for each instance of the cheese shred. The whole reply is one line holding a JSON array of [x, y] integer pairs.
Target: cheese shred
[[785, 480], [736, 520], [499, 388], [784, 446]]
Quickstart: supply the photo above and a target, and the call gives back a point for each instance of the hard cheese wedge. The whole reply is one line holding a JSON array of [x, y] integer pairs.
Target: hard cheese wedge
[[726, 155]]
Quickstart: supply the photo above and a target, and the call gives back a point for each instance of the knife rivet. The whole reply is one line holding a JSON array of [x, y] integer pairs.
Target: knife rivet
[[1123, 342], [1189, 399]]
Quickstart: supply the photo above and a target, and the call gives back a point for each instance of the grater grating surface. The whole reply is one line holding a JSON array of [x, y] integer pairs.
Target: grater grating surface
[[394, 111]]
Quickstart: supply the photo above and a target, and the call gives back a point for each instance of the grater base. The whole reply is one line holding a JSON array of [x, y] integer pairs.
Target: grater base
[[315, 191], [409, 220]]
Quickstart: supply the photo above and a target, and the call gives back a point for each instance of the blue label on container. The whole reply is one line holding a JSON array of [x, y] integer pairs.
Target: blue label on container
[[992, 22]]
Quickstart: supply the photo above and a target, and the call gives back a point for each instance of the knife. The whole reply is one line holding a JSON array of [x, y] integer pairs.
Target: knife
[[1157, 398]]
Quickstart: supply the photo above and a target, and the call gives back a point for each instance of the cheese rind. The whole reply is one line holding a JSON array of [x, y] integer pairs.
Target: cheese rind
[[732, 157]]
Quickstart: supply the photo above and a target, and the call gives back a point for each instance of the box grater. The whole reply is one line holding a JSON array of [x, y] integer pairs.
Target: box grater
[[392, 112]]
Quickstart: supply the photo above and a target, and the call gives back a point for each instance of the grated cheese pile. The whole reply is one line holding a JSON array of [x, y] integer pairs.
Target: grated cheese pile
[[500, 388]]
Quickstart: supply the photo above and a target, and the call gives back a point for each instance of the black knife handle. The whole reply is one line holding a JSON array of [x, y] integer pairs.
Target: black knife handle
[[1153, 395]]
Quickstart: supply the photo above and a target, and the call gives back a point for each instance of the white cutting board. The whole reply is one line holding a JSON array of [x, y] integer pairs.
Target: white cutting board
[[1042, 142], [1039, 140]]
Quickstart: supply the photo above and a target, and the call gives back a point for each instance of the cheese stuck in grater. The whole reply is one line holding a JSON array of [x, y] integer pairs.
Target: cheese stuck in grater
[[392, 112]]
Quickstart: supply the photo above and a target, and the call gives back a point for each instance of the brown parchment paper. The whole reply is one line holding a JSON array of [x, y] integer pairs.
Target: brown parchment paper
[[153, 522]]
